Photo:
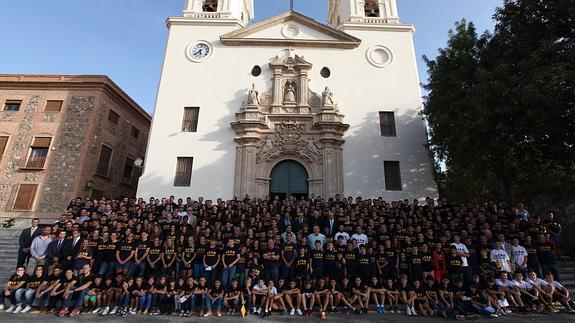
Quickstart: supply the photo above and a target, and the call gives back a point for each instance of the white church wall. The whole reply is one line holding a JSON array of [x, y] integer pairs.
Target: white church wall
[[220, 85]]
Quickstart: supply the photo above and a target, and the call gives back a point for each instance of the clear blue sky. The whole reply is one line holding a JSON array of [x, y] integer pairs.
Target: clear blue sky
[[125, 39]]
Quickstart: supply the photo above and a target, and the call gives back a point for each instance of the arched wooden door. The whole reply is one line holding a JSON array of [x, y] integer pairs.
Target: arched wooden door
[[289, 178]]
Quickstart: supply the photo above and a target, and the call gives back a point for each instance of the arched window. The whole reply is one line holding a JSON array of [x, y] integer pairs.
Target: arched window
[[210, 6], [371, 8]]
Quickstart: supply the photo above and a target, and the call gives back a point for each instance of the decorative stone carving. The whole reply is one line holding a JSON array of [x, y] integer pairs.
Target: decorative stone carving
[[265, 99], [289, 140], [327, 97], [253, 96], [289, 91]]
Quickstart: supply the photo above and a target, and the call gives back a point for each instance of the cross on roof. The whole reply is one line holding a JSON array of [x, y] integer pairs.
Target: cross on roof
[[291, 5]]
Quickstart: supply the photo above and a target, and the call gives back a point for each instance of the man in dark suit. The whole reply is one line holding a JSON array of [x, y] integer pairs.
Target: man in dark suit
[[299, 222], [285, 221], [54, 253], [70, 250], [25, 242], [331, 224]]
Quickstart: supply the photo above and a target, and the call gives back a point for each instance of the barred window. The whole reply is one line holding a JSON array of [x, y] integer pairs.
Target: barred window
[[392, 176], [104, 161], [387, 123], [25, 197], [38, 152]]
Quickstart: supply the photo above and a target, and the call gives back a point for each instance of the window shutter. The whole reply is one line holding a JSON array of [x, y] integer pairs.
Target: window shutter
[[113, 117], [53, 106], [392, 176], [387, 123], [104, 161], [184, 171], [41, 142], [3, 144], [25, 197], [190, 122]]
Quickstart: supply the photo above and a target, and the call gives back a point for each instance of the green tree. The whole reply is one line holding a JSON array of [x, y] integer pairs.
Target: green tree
[[501, 106]]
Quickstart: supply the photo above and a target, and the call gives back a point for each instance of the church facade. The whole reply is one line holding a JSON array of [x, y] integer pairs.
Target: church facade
[[288, 106]]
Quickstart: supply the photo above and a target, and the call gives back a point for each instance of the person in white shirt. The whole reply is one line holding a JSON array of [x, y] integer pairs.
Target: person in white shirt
[[259, 296], [464, 253], [501, 258], [518, 257], [541, 288], [274, 299], [528, 294], [559, 293], [343, 234], [360, 237], [512, 293]]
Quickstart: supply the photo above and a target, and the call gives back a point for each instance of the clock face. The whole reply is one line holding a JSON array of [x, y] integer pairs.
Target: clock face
[[200, 51]]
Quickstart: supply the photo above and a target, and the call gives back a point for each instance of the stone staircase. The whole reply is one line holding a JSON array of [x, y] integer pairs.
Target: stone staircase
[[8, 252], [567, 271]]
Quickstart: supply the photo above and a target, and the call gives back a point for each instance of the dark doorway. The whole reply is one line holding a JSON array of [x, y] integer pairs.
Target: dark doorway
[[289, 178]]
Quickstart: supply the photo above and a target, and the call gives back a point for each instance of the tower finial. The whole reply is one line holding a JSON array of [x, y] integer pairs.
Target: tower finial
[[291, 5]]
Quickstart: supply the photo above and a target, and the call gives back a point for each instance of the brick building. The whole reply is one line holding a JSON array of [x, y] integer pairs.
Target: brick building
[[65, 136]]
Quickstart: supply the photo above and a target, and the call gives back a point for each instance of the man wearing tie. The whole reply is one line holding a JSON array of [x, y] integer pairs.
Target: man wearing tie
[[54, 255], [70, 249], [331, 224], [25, 241]]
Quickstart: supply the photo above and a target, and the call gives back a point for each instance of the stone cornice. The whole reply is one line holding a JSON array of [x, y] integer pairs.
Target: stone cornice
[[378, 27], [73, 82], [186, 21], [242, 36]]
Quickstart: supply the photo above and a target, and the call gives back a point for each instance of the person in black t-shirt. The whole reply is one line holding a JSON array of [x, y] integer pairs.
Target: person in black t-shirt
[[211, 261], [360, 295], [307, 298], [34, 286], [316, 262], [363, 264], [124, 255], [15, 283], [378, 292], [77, 293], [168, 256], [271, 260], [288, 255], [141, 254], [215, 297], [292, 295], [322, 296], [199, 268], [230, 258], [232, 297], [421, 301], [407, 295], [63, 289]]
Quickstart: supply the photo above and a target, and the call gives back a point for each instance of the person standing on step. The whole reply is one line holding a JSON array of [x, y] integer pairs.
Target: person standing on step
[[25, 242], [39, 247]]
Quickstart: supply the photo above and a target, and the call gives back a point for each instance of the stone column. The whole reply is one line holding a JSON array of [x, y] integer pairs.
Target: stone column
[[303, 89], [245, 173], [278, 91]]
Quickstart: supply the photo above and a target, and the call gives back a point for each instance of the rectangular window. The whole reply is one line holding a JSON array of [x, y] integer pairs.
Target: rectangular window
[[39, 152], [392, 176], [25, 197], [3, 144], [53, 106], [128, 170], [12, 105], [135, 133], [113, 117], [104, 161], [190, 123], [184, 171], [387, 123]]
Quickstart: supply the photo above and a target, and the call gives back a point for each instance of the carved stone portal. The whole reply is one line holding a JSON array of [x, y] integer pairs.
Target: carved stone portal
[[289, 122]]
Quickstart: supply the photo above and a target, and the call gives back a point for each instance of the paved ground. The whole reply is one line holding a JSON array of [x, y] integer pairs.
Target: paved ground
[[516, 318]]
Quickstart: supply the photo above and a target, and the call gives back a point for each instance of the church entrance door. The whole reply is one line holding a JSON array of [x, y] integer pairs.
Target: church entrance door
[[289, 178]]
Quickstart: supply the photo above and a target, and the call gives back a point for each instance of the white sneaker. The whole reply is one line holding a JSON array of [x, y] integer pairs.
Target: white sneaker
[[292, 312], [259, 310], [2, 307], [408, 310], [105, 311], [254, 310], [26, 309], [97, 310], [18, 309], [413, 312], [114, 310], [11, 309], [299, 312]]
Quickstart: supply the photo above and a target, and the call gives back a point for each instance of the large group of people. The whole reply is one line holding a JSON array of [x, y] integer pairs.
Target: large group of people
[[289, 256]]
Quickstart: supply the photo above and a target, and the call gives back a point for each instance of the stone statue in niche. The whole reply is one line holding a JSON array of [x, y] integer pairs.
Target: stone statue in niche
[[253, 96], [290, 92], [327, 97]]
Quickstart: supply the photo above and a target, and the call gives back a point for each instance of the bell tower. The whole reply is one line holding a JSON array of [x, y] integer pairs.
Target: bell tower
[[217, 10], [362, 12]]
